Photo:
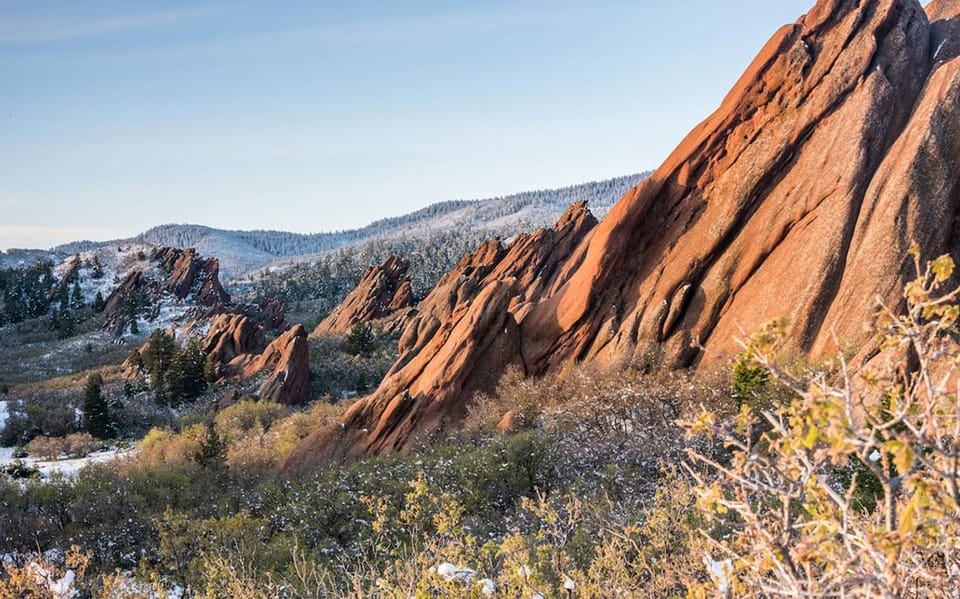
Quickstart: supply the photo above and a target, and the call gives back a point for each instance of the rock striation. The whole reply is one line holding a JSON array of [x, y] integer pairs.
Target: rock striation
[[235, 344], [231, 337], [383, 290], [835, 152], [286, 362], [462, 336]]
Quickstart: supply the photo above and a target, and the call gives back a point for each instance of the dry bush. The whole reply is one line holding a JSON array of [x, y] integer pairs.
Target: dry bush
[[260, 437], [36, 576], [47, 448], [81, 444], [246, 417], [852, 488]]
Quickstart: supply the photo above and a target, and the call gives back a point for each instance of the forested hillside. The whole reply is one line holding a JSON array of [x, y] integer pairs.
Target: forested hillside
[[241, 252]]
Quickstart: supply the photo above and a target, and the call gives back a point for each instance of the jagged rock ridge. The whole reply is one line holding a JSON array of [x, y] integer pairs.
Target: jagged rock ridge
[[183, 273], [384, 290], [460, 338], [237, 349], [834, 153], [235, 345]]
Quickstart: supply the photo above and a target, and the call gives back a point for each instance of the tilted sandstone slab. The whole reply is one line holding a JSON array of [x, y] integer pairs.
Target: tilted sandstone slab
[[834, 153], [383, 290]]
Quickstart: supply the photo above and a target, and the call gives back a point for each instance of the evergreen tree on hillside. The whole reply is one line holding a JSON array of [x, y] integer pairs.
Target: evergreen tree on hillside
[[96, 415], [96, 268], [76, 296], [99, 305], [186, 377], [361, 340], [158, 357], [213, 450]]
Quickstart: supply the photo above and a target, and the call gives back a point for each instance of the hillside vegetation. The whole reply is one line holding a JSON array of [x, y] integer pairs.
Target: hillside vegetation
[[241, 252], [769, 480]]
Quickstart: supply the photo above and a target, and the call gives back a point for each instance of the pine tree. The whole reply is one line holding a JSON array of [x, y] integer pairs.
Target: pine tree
[[185, 377], [64, 298], [213, 450], [360, 340], [63, 322], [76, 296], [157, 358], [96, 415], [98, 304], [97, 269]]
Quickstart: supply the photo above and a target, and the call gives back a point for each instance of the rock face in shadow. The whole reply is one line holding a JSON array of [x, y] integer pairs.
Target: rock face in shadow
[[287, 363], [229, 337], [384, 290], [799, 197]]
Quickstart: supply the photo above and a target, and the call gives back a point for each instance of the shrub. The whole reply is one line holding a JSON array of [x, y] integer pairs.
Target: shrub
[[248, 416], [38, 577], [789, 500], [18, 469], [81, 444], [164, 447], [47, 448]]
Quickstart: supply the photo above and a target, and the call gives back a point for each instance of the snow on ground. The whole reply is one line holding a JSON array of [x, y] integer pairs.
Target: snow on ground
[[4, 414], [116, 266], [67, 467]]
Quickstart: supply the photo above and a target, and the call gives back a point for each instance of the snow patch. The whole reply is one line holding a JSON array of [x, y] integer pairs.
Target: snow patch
[[719, 572], [68, 467], [940, 47]]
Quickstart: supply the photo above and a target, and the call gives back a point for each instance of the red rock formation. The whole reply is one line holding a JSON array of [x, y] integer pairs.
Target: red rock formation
[[187, 272], [273, 314], [186, 275], [384, 290], [463, 336], [231, 336], [287, 359], [835, 151], [234, 343]]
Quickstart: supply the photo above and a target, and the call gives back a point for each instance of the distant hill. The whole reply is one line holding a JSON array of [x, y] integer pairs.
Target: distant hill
[[241, 252]]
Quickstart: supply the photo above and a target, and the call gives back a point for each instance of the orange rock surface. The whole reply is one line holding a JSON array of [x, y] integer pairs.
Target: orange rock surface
[[834, 153]]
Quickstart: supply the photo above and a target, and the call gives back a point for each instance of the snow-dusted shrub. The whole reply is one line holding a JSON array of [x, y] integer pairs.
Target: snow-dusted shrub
[[81, 444], [850, 487], [47, 448]]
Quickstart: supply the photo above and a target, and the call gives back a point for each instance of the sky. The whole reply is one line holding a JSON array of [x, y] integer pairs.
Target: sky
[[312, 115]]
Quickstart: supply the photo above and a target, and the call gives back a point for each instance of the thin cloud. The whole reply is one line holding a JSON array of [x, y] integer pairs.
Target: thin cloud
[[456, 23], [23, 33]]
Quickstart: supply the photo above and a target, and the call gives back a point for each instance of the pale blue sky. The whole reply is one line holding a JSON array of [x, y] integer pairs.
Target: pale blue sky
[[312, 115]]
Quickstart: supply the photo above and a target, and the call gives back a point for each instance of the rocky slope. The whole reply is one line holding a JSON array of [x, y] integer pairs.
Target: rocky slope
[[237, 348], [384, 290], [181, 274], [458, 340], [834, 153]]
